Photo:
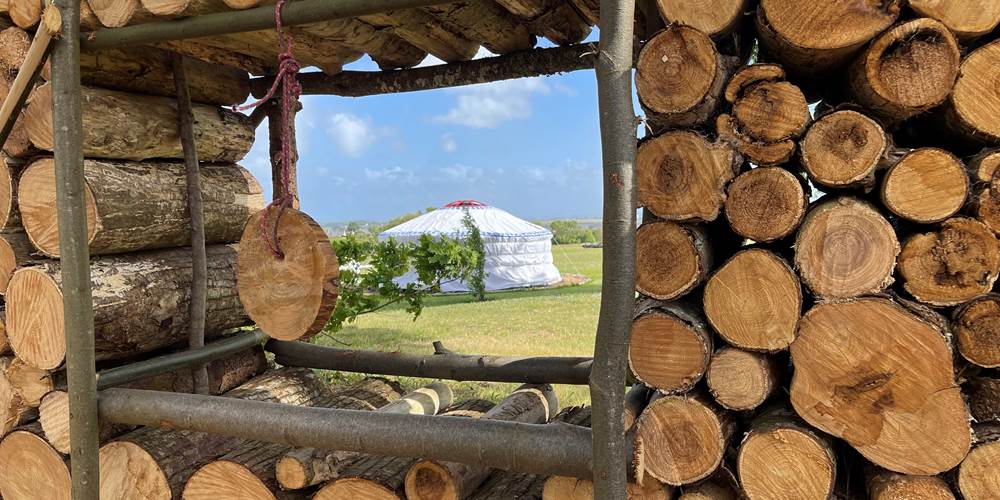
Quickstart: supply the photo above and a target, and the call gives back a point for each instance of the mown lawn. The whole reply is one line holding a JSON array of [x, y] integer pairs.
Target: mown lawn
[[559, 321]]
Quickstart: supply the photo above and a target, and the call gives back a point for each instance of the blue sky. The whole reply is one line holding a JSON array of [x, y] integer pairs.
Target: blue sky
[[529, 146]]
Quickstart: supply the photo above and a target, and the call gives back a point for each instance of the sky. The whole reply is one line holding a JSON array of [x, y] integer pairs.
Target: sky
[[529, 146]]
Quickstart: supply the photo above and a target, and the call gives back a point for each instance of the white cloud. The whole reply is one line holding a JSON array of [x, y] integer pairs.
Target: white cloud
[[448, 143], [462, 172], [489, 105], [394, 175], [352, 134]]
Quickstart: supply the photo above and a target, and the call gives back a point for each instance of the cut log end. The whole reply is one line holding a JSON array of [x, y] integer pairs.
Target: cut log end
[[355, 487], [34, 314], [32, 469], [975, 99], [671, 259], [571, 488], [927, 185], [291, 473], [765, 204], [677, 461], [291, 297], [760, 153], [885, 485], [979, 474], [428, 480], [715, 19], [953, 265], [679, 76], [746, 318], [741, 380], [977, 329], [667, 352], [843, 148], [749, 75], [129, 472], [53, 414], [969, 20], [225, 479], [772, 111], [37, 203], [767, 454]]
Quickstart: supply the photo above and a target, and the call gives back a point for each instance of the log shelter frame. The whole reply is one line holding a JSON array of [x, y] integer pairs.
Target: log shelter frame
[[604, 459]]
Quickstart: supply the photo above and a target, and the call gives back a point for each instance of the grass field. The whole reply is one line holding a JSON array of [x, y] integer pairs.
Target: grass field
[[558, 321]]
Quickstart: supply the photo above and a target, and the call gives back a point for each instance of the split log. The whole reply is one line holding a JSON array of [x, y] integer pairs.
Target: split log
[[572, 488], [886, 485], [386, 49], [907, 70], [881, 377], [30, 384], [485, 22], [223, 375], [979, 474], [968, 20], [556, 20], [139, 206], [706, 430], [842, 150], [422, 30], [845, 248], [440, 480], [955, 264], [305, 467], [671, 259], [32, 468], [926, 185], [983, 394], [976, 325], [679, 77], [156, 284], [742, 380], [291, 297], [742, 315], [975, 100], [137, 127], [681, 176], [716, 19], [766, 204], [778, 442], [816, 37], [986, 192], [156, 462], [15, 251]]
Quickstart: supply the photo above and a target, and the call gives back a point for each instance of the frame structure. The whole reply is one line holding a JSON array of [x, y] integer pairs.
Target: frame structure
[[599, 452]]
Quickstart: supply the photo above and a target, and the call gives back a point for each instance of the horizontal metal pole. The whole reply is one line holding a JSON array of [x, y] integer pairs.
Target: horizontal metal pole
[[556, 448], [259, 18], [450, 366]]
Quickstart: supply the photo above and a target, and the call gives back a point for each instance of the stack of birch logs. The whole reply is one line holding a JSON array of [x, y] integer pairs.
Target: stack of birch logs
[[818, 251]]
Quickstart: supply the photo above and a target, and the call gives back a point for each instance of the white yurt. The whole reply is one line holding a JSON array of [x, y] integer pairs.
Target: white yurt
[[518, 253]]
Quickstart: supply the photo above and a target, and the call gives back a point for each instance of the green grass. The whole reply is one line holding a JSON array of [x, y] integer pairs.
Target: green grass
[[554, 322]]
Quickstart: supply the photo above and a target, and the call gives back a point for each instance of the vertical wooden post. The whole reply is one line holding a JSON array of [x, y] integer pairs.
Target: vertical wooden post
[[618, 144], [274, 129], [67, 121]]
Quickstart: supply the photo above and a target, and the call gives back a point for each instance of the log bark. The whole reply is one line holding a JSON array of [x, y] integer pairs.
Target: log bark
[[842, 149], [677, 462], [907, 70], [979, 473], [974, 100], [385, 48], [742, 380], [968, 20], [556, 20], [373, 477], [985, 199], [671, 259], [505, 485], [716, 20], [810, 38], [223, 375], [886, 485], [15, 251], [422, 30], [572, 488], [119, 221], [778, 442], [140, 304], [679, 77], [250, 64], [291, 297], [309, 50], [953, 265], [681, 176], [864, 239], [440, 480], [766, 204], [670, 346], [926, 185], [983, 394], [137, 127], [32, 469], [376, 391], [977, 330], [485, 22], [880, 376]]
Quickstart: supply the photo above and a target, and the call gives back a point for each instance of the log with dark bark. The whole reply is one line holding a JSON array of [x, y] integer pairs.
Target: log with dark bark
[[976, 325], [863, 255], [706, 430], [719, 486], [978, 476], [136, 127], [32, 468], [926, 185], [15, 251], [716, 19], [886, 485], [766, 204], [636, 400], [371, 477], [681, 176], [880, 376], [742, 315], [907, 70], [975, 100], [485, 22], [952, 265], [985, 195], [968, 20], [842, 149], [290, 296], [742, 380], [139, 206], [670, 346], [140, 304], [556, 20], [983, 394], [422, 30], [386, 49], [671, 259]]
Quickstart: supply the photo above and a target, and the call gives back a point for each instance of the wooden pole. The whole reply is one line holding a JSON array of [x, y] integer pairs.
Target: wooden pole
[[26, 76], [275, 130]]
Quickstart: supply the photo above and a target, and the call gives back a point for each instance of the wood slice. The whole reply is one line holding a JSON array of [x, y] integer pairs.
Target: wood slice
[[744, 316], [845, 248], [32, 469], [715, 20], [139, 206], [977, 330], [291, 297], [760, 153], [572, 488], [669, 346], [672, 259], [969, 19], [742, 380], [907, 70], [781, 457], [136, 127], [683, 439], [979, 474], [765, 204], [771, 111], [953, 265], [815, 37], [140, 304], [679, 77], [986, 190], [843, 149], [681, 176], [983, 394], [927, 185], [975, 100], [424, 31], [886, 485], [881, 377]]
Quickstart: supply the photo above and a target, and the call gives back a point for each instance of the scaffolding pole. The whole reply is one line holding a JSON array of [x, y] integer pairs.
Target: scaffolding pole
[[618, 145]]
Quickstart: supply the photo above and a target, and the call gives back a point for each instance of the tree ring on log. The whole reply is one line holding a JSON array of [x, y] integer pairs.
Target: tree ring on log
[[928, 185], [765, 452], [354, 487], [667, 352], [225, 479], [765, 204], [40, 211], [979, 474], [956, 264], [977, 330], [671, 259], [32, 469], [428, 479], [975, 100], [843, 148], [35, 322], [676, 70], [144, 478], [683, 439]]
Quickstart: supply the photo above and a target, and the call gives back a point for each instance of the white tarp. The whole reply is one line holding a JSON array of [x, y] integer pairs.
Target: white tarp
[[518, 253]]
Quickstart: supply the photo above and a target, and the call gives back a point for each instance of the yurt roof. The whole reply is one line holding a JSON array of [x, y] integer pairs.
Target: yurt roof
[[447, 221]]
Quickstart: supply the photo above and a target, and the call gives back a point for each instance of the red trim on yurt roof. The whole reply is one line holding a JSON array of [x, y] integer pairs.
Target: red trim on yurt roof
[[465, 203]]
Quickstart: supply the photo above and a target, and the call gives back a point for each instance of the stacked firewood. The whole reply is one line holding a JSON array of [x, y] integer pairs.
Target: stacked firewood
[[819, 250]]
